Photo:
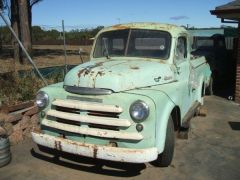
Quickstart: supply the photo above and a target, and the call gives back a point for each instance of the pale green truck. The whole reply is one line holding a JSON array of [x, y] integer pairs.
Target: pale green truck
[[140, 87]]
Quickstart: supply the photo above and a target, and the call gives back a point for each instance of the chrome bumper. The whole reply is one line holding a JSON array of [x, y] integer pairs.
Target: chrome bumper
[[96, 151]]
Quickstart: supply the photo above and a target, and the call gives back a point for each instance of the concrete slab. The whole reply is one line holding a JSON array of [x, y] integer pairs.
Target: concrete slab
[[211, 152]]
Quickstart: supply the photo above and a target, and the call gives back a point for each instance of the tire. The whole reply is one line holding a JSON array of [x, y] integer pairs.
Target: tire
[[209, 89], [165, 158]]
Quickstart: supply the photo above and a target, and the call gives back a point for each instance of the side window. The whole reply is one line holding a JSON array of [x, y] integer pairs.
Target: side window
[[181, 49]]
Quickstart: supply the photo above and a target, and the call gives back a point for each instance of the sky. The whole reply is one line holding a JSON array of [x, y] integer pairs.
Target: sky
[[79, 14]]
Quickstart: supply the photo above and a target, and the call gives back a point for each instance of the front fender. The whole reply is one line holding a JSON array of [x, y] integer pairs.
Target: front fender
[[164, 106]]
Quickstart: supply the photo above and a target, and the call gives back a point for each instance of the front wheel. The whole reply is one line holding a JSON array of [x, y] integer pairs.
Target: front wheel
[[165, 158]]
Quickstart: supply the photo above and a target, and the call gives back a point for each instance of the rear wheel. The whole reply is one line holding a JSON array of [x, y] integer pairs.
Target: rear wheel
[[165, 158], [209, 89]]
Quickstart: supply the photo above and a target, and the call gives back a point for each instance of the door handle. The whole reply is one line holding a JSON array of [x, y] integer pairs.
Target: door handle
[[178, 70]]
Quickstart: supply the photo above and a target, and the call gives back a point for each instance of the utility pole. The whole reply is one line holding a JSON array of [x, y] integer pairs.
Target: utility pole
[[64, 46]]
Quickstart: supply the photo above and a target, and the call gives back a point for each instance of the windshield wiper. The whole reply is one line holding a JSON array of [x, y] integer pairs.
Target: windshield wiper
[[105, 49], [127, 44]]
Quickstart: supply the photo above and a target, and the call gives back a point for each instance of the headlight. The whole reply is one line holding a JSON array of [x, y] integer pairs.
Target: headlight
[[139, 110], [42, 99]]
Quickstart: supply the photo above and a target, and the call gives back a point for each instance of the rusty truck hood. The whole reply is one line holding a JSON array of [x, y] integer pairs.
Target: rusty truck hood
[[119, 75]]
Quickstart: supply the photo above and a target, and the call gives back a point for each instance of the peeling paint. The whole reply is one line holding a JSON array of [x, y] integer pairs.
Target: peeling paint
[[80, 72], [57, 145], [94, 151], [120, 75], [97, 151], [85, 71]]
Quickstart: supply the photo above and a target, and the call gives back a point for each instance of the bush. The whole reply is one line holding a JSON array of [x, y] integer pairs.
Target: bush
[[15, 88]]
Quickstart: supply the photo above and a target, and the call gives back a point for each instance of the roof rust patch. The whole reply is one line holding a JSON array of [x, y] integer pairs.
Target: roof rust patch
[[134, 67], [98, 64], [119, 27]]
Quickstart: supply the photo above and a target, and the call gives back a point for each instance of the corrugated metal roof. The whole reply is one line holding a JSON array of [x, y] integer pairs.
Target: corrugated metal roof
[[232, 5], [230, 11]]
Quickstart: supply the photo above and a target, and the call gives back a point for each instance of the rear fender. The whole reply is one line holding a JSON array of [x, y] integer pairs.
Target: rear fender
[[201, 90]]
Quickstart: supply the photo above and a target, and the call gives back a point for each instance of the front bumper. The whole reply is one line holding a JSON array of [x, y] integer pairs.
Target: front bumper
[[96, 151]]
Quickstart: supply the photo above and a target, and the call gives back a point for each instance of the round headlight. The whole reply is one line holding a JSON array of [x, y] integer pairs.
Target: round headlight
[[42, 99], [139, 110]]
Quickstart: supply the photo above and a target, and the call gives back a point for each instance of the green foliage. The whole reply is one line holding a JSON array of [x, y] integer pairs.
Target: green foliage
[[39, 34], [83, 33], [5, 35]]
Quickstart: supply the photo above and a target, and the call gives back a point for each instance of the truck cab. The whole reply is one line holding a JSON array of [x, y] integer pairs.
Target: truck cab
[[126, 104]]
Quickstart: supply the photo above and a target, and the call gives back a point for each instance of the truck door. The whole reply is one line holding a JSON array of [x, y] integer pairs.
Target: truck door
[[182, 63]]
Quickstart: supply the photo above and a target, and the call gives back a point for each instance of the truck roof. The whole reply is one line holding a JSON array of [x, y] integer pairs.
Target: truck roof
[[172, 29]]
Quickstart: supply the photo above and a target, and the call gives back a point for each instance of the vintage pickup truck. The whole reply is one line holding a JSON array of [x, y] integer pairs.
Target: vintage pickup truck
[[140, 87]]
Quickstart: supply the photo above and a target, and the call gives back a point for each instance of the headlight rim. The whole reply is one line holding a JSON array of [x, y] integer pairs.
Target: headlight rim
[[46, 99], [145, 105]]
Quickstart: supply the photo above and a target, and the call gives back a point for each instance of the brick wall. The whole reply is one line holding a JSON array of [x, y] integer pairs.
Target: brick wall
[[237, 89]]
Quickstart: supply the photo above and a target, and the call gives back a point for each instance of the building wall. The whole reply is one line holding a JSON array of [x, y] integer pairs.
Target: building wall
[[237, 88]]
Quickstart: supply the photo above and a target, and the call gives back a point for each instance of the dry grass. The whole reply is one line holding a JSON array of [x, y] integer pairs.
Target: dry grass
[[45, 56]]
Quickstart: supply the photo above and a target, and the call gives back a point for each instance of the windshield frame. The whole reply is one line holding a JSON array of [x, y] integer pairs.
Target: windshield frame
[[125, 55]]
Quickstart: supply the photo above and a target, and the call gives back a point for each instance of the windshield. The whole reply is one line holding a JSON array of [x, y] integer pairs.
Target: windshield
[[133, 43]]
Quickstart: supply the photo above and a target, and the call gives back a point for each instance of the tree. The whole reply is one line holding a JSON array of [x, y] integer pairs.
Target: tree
[[21, 21], [1, 4], [15, 23], [25, 34], [30, 6]]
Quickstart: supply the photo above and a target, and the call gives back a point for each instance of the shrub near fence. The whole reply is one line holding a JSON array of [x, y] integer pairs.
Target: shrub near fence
[[53, 35]]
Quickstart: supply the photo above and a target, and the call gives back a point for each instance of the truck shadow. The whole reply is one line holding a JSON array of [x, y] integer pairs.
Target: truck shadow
[[234, 125], [91, 165]]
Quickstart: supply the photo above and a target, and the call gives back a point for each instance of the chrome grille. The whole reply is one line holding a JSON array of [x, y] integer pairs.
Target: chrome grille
[[101, 120]]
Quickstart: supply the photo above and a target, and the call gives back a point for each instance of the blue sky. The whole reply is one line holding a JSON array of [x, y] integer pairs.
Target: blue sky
[[90, 13]]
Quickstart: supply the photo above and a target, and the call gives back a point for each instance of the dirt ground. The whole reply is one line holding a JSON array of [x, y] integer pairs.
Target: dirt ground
[[211, 152], [44, 56]]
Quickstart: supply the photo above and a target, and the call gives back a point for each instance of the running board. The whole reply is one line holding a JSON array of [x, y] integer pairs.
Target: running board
[[192, 111]]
